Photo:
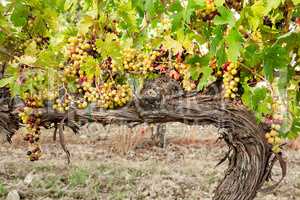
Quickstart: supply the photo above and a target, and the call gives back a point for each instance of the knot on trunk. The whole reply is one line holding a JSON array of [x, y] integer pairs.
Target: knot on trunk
[[156, 92]]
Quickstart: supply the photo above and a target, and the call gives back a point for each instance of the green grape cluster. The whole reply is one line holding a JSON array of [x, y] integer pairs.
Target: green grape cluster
[[91, 94], [230, 80], [277, 119], [137, 62], [209, 12], [274, 139], [188, 85], [113, 95], [85, 87], [81, 103], [78, 50], [31, 119], [63, 105], [109, 65]]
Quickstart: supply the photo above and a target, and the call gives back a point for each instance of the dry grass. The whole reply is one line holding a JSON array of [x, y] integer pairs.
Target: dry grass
[[185, 170], [128, 139]]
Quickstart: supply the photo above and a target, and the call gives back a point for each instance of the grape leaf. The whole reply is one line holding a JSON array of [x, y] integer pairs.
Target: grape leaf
[[2, 37], [192, 5], [91, 67], [20, 14], [177, 21], [257, 99], [154, 7], [170, 43], [109, 47], [85, 23], [176, 6], [221, 55], [234, 43], [200, 68], [296, 2], [275, 57], [252, 55], [205, 78], [6, 81], [69, 4], [219, 3], [216, 39], [226, 17]]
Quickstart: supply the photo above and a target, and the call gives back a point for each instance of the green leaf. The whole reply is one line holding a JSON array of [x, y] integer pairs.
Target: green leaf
[[221, 55], [72, 86], [234, 42], [295, 129], [275, 57], [258, 99], [216, 39], [219, 3], [226, 17], [91, 67], [296, 2], [252, 55], [48, 58], [191, 7], [6, 81], [176, 6], [20, 14], [154, 7], [204, 60], [177, 21], [205, 78], [69, 3], [31, 49], [2, 37], [200, 69], [109, 47]]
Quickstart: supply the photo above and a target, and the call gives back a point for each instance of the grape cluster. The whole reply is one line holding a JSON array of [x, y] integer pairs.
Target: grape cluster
[[78, 50], [277, 119], [209, 12], [136, 61], [113, 95], [33, 100], [90, 93], [31, 119], [188, 85], [62, 105], [183, 71], [109, 65], [274, 139], [230, 80], [235, 4], [213, 64]]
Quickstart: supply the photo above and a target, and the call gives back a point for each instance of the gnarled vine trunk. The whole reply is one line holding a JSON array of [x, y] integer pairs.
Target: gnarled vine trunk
[[161, 101]]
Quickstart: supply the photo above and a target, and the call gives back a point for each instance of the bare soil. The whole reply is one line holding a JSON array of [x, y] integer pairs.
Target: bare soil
[[107, 165]]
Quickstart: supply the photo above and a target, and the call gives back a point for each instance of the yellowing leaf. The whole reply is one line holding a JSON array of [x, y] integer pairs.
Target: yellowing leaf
[[170, 43], [27, 60], [85, 23]]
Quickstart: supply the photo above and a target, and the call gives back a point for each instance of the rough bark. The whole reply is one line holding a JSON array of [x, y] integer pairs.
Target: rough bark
[[161, 101]]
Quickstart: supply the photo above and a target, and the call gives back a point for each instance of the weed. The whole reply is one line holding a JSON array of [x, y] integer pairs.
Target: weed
[[78, 177], [2, 190]]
